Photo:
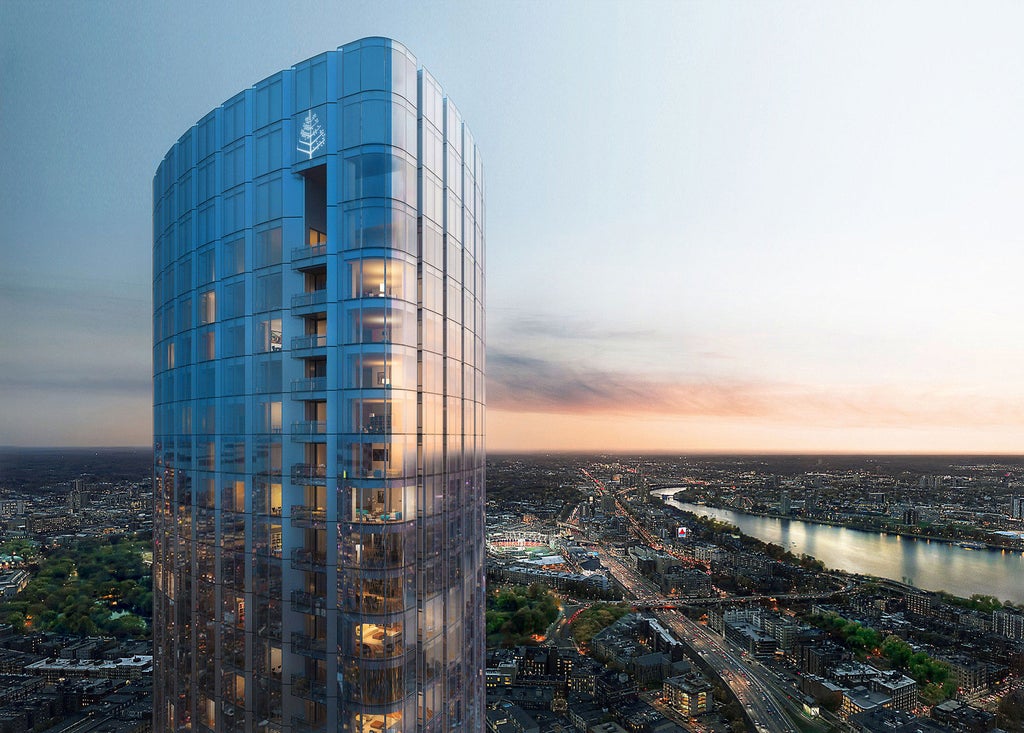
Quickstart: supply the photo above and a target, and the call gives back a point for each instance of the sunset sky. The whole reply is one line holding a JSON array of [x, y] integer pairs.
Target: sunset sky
[[711, 226]]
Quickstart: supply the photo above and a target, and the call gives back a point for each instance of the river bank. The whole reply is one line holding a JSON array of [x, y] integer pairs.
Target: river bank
[[1011, 546], [915, 560]]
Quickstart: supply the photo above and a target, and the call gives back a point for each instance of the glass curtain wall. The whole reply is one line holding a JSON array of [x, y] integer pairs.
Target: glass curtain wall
[[319, 407]]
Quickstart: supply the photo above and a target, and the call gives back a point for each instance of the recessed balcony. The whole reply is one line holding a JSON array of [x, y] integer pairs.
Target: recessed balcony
[[308, 646], [306, 474], [302, 255], [301, 725], [311, 341], [309, 689], [304, 300], [309, 517], [312, 384], [309, 560], [309, 430], [304, 602]]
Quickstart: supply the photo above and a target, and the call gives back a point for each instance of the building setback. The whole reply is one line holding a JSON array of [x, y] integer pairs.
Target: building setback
[[318, 282]]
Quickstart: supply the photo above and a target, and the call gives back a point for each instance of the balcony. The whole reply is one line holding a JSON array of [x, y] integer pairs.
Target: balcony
[[312, 384], [363, 472], [304, 300], [301, 725], [304, 602], [311, 341], [377, 558], [308, 560], [309, 430], [299, 254], [231, 710], [308, 646], [376, 424], [309, 689], [309, 517], [308, 474]]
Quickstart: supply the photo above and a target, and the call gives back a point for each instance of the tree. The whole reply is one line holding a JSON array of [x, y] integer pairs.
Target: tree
[[897, 651], [594, 619], [77, 588], [518, 613], [17, 620], [1010, 714]]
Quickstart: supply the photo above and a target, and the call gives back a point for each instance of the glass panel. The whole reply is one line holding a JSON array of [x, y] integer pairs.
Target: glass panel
[[380, 278], [378, 640], [392, 503], [268, 334], [207, 307]]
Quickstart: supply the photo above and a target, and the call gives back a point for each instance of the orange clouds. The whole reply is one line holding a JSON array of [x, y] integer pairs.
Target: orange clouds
[[538, 404]]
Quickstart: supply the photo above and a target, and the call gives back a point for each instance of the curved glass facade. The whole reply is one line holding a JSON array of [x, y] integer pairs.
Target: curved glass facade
[[318, 334]]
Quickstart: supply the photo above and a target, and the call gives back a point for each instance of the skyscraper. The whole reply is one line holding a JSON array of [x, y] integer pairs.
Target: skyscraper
[[318, 282]]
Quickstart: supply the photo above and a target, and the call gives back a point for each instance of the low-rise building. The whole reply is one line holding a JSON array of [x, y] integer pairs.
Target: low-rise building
[[54, 669], [902, 689], [686, 583], [689, 694], [860, 699], [609, 727], [884, 720], [963, 717], [1008, 623]]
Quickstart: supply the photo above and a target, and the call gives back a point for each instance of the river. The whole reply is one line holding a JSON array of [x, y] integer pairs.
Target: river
[[923, 563]]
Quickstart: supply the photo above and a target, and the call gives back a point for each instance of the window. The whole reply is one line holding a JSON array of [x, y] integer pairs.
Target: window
[[233, 258], [268, 335], [268, 151], [207, 307], [268, 292], [268, 247], [380, 278], [207, 269], [268, 199], [268, 103]]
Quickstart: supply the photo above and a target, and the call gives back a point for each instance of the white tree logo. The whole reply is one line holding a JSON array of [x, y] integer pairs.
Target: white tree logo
[[311, 137]]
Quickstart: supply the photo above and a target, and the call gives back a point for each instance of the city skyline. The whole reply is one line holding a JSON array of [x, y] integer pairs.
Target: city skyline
[[713, 228]]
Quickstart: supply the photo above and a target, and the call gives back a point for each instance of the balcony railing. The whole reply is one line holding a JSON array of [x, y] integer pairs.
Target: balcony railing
[[377, 424], [309, 474], [303, 559], [312, 384], [302, 300], [312, 341], [308, 430], [301, 725], [307, 646], [376, 558], [313, 250], [310, 427], [309, 517], [304, 602], [309, 689]]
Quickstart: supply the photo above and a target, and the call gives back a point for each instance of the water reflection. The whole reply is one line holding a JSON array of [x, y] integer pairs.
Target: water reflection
[[930, 565]]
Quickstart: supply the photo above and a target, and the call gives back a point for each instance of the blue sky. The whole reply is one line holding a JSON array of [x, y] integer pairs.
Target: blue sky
[[711, 226]]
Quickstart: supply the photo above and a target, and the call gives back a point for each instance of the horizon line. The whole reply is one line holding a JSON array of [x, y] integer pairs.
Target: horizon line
[[617, 452]]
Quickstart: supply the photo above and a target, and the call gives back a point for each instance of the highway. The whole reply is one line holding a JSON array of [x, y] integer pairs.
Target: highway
[[764, 698], [758, 691], [769, 703]]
